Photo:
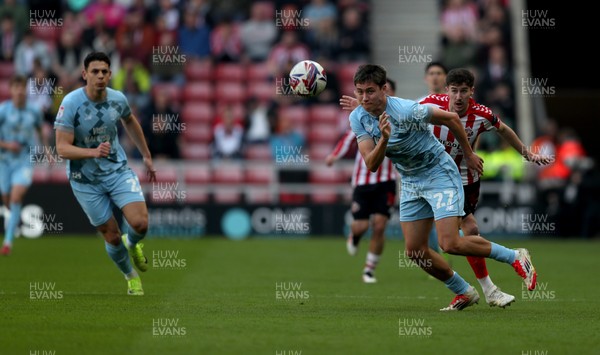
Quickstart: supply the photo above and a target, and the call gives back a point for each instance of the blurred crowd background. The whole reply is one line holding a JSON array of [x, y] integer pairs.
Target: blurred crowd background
[[217, 73]]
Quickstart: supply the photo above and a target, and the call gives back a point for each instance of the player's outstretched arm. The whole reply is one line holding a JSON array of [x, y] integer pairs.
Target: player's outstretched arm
[[66, 149], [511, 137], [452, 121], [373, 154], [134, 131]]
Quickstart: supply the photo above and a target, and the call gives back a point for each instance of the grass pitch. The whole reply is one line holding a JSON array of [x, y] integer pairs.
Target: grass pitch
[[213, 296]]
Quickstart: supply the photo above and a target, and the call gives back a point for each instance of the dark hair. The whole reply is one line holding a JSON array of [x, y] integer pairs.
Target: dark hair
[[370, 73], [17, 79], [436, 64], [460, 76], [392, 84], [95, 56]]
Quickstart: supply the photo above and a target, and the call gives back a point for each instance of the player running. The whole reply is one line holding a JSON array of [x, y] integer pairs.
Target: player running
[[86, 135], [373, 194], [431, 183], [476, 119], [19, 123]]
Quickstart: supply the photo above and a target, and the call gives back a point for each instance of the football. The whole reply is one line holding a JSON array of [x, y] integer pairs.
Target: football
[[307, 78]]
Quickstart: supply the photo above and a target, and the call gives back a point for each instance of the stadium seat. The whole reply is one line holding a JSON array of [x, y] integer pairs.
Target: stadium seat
[[257, 72], [172, 89], [195, 195], [4, 90], [227, 195], [325, 175], [228, 173], [198, 91], [195, 152], [346, 71], [197, 174], [297, 114], [196, 70], [239, 111], [139, 170], [58, 174], [258, 152], [166, 173], [198, 133], [230, 72], [324, 113], [259, 195], [318, 152], [259, 174], [264, 91], [7, 69], [193, 112], [230, 92], [323, 196], [322, 133], [40, 174]]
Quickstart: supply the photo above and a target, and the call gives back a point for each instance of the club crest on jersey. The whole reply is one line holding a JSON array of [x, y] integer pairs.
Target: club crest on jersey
[[469, 131], [61, 111]]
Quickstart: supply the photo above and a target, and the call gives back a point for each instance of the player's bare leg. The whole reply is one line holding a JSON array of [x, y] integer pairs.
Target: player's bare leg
[[493, 295], [379, 222], [136, 214], [475, 245], [118, 253], [358, 228], [416, 235], [15, 202]]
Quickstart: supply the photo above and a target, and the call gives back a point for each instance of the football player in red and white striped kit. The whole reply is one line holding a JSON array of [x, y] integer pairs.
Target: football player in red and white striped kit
[[374, 193], [476, 119]]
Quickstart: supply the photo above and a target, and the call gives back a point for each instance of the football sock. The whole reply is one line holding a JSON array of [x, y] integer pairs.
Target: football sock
[[120, 256], [478, 265], [503, 254], [15, 217], [355, 239], [133, 237], [372, 261], [486, 284], [457, 284]]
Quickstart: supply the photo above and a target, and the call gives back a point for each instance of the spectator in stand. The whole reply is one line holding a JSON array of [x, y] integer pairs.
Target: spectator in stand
[[167, 10], [9, 38], [170, 70], [135, 37], [317, 11], [459, 50], [163, 139], [74, 24], [134, 81], [27, 50], [41, 86], [112, 14], [257, 123], [18, 12], [461, 16], [259, 32], [93, 29], [496, 70], [228, 137], [103, 42], [354, 39], [325, 42], [225, 42], [194, 36], [68, 57], [161, 30], [287, 52]]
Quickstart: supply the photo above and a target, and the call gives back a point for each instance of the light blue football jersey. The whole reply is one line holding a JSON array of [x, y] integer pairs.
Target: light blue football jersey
[[411, 147], [93, 123], [19, 125]]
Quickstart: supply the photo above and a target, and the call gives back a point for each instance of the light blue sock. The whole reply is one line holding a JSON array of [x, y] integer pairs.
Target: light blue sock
[[13, 222], [433, 240], [503, 254], [457, 284], [133, 237], [120, 256]]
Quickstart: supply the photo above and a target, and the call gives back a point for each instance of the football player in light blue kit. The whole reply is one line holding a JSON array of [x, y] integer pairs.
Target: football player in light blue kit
[[431, 183], [19, 123], [86, 135]]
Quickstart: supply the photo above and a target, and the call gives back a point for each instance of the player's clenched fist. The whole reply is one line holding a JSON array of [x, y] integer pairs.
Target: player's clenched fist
[[384, 125], [103, 150]]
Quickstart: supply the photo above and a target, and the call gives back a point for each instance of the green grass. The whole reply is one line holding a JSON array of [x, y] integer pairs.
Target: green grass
[[223, 300]]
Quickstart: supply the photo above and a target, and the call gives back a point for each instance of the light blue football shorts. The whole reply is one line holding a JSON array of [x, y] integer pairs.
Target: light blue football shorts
[[15, 172], [436, 193], [122, 188]]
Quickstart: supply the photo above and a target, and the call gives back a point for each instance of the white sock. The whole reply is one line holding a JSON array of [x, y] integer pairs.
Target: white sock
[[133, 274], [372, 261], [486, 284]]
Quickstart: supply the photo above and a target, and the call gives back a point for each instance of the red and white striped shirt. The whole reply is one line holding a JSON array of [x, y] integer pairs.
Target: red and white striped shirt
[[361, 174], [477, 119]]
